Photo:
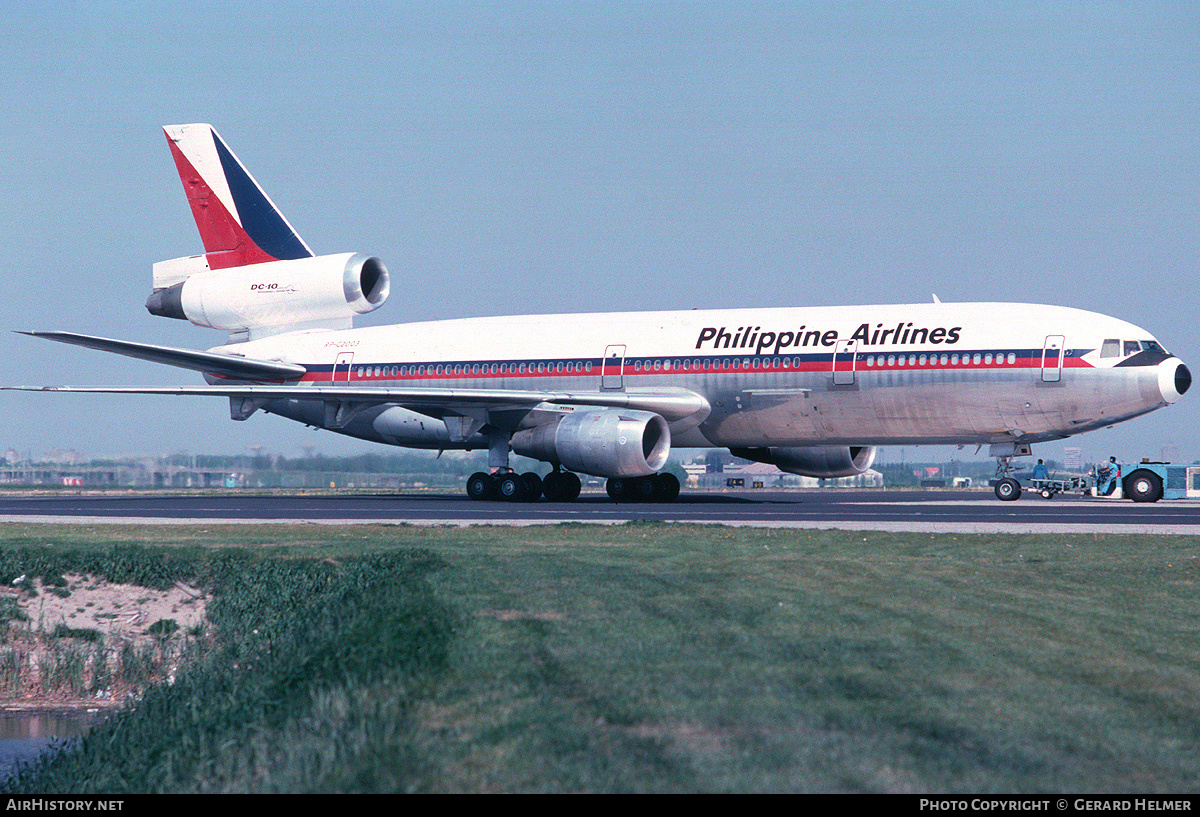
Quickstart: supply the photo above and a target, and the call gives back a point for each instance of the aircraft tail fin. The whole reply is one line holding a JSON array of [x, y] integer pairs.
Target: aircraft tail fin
[[238, 222]]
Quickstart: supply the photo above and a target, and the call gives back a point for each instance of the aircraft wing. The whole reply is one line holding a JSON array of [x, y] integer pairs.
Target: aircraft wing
[[342, 403], [208, 362], [671, 404]]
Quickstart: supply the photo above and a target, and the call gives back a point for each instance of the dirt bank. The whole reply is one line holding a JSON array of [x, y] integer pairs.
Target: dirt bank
[[87, 642]]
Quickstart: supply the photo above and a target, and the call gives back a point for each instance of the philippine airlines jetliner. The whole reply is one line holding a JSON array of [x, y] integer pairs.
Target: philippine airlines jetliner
[[810, 390]]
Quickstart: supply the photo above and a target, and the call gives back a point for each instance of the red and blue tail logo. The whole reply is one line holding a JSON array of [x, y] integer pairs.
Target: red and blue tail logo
[[238, 223]]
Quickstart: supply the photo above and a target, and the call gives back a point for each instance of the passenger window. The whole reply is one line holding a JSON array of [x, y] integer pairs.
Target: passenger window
[[1132, 347], [1110, 348]]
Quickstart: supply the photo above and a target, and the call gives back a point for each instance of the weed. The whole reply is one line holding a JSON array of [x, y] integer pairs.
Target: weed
[[163, 629], [656, 658], [10, 610], [101, 675], [11, 660], [81, 633]]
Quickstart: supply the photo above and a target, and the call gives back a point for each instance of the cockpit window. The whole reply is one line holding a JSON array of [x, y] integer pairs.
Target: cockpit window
[[1152, 346], [1111, 348], [1132, 347]]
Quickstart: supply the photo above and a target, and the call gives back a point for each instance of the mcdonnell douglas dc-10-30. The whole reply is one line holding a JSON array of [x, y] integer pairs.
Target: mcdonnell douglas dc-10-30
[[812, 391]]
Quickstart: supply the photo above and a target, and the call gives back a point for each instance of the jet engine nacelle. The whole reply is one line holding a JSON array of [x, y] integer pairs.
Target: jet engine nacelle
[[325, 290], [601, 442], [824, 461]]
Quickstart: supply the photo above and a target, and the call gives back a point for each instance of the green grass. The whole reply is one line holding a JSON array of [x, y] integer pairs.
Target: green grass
[[652, 657]]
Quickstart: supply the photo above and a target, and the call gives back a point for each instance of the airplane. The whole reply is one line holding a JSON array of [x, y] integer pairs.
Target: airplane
[[812, 390]]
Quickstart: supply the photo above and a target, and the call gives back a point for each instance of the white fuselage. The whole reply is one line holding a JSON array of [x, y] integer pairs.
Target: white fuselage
[[859, 375]]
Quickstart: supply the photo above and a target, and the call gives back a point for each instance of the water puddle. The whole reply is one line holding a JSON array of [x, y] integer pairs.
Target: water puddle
[[25, 735]]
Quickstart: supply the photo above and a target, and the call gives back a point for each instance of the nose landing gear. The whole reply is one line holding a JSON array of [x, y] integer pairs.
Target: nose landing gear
[[1007, 488]]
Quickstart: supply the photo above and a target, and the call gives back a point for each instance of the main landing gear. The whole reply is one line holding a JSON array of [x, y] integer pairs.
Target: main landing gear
[[662, 487], [558, 486], [563, 486]]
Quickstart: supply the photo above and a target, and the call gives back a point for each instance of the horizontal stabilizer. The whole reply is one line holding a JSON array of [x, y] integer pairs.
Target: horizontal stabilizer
[[207, 362]]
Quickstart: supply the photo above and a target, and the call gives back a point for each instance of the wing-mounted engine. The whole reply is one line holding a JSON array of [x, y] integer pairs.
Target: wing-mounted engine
[[601, 442], [824, 461], [257, 300]]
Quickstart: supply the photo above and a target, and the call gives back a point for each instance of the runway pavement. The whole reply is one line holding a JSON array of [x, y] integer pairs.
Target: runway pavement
[[934, 511]]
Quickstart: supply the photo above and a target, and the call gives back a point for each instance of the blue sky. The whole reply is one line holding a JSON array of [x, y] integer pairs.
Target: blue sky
[[508, 158]]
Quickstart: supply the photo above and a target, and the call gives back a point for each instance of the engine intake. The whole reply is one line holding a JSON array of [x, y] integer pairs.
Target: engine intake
[[824, 461], [327, 290], [603, 443]]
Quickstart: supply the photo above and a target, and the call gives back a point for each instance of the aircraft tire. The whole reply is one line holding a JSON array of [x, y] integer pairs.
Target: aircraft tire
[[1143, 486], [554, 487], [561, 486], [481, 486], [645, 489], [1008, 490], [668, 487], [533, 487], [618, 488], [511, 487]]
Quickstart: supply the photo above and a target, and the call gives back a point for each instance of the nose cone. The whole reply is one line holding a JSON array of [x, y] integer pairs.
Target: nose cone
[[1173, 379]]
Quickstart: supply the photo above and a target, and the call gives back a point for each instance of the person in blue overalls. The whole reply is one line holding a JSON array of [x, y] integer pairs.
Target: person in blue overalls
[[1107, 476], [1040, 472]]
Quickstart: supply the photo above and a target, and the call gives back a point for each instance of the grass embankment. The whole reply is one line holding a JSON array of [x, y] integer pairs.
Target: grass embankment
[[664, 658]]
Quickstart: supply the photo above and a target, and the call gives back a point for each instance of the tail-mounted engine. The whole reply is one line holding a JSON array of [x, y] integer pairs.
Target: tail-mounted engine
[[277, 296], [824, 461]]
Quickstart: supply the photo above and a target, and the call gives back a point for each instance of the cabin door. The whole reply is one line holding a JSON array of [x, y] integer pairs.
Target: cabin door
[[1052, 358], [843, 362], [612, 370], [341, 367]]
